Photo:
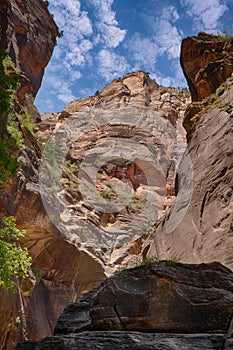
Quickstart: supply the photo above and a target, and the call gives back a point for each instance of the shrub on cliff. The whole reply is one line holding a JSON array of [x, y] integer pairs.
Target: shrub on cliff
[[225, 35], [14, 261]]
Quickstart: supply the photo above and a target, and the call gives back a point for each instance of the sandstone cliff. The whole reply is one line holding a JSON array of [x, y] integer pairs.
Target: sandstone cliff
[[126, 142], [207, 62], [68, 258], [155, 306], [203, 232], [28, 34]]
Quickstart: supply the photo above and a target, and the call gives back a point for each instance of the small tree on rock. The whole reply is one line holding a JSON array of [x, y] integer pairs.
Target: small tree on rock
[[14, 260]]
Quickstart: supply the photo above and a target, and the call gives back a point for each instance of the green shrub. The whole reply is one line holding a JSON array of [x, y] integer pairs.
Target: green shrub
[[226, 35], [14, 261], [12, 118]]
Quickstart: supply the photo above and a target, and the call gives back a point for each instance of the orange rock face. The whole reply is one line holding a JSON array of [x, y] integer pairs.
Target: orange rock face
[[29, 36], [66, 259], [207, 61]]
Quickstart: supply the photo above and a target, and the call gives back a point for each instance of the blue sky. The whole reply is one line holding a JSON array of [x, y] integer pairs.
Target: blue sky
[[105, 39]]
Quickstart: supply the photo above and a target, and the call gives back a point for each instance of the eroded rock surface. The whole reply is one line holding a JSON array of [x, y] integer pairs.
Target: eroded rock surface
[[150, 307], [67, 260], [127, 340], [199, 225], [147, 119], [29, 36], [207, 61]]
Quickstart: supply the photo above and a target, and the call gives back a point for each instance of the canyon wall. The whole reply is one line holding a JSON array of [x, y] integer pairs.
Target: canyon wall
[[163, 305], [203, 233], [117, 180]]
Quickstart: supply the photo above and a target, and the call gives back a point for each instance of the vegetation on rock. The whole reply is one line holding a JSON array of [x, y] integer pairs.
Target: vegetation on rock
[[8, 86], [225, 35], [12, 118], [14, 261]]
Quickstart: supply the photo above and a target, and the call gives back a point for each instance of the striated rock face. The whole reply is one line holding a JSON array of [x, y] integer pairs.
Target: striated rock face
[[207, 61], [199, 225], [86, 217], [131, 136], [61, 238], [29, 36], [150, 307]]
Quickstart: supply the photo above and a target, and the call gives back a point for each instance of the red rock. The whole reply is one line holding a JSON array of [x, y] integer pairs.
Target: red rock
[[207, 62], [29, 43]]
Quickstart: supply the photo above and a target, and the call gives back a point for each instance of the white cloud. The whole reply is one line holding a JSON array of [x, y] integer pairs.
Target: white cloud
[[143, 50], [167, 37], [75, 76], [73, 51], [170, 14], [77, 29], [78, 47], [109, 32], [104, 11], [205, 13], [65, 93], [164, 31], [177, 78], [111, 65], [112, 35], [87, 92], [76, 54]]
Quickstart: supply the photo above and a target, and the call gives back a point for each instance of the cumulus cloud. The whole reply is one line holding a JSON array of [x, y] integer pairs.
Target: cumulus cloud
[[65, 93], [142, 50], [96, 48], [84, 39], [112, 36], [205, 13], [73, 51], [109, 32], [104, 11], [167, 38], [170, 13], [111, 65], [164, 31]]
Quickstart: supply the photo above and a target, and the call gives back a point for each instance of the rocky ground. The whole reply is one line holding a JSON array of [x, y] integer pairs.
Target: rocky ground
[[163, 305]]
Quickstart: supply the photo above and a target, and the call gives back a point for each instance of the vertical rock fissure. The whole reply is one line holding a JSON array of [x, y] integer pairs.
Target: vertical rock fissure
[[23, 318], [229, 335]]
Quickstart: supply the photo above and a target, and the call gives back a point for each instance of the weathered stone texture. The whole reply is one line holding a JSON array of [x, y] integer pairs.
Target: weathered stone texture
[[150, 307], [207, 62]]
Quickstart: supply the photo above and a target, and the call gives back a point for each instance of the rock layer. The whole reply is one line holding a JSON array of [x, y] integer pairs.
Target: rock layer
[[199, 225], [29, 36], [150, 307], [207, 62], [128, 340], [64, 265]]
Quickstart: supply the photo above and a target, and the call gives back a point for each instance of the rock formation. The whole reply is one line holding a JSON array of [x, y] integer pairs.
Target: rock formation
[[203, 232], [207, 62], [67, 263], [132, 112], [29, 35], [85, 218], [156, 306]]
